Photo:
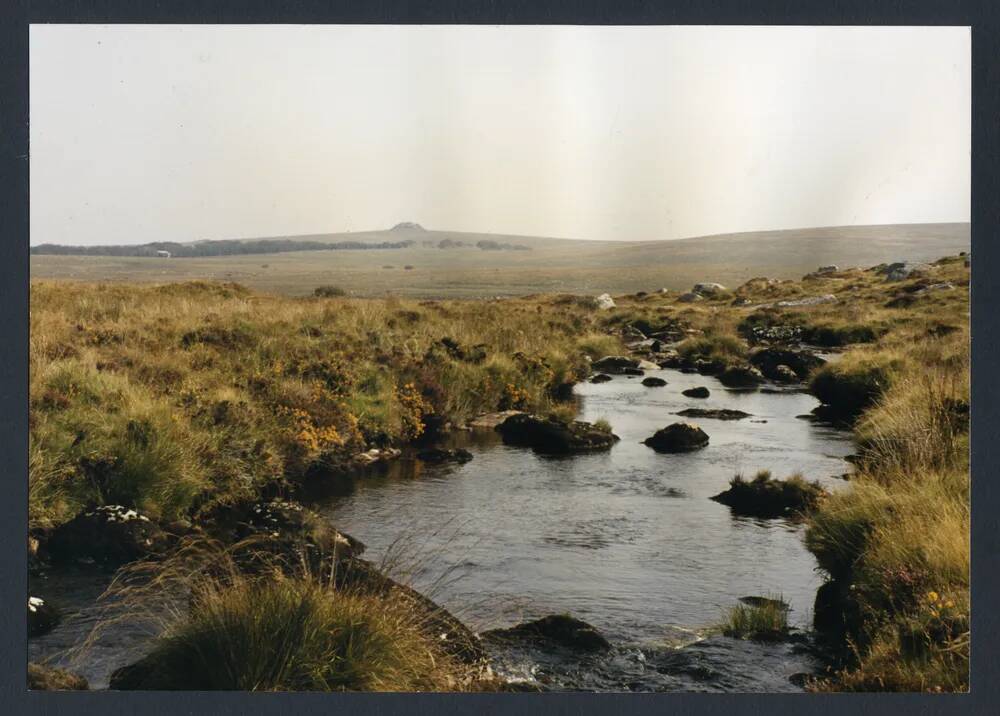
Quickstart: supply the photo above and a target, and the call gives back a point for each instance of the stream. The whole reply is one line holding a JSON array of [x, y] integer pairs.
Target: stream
[[627, 540]]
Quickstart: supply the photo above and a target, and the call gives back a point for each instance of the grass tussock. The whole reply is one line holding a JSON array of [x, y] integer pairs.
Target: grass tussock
[[281, 626], [296, 635], [721, 348], [766, 621], [764, 496]]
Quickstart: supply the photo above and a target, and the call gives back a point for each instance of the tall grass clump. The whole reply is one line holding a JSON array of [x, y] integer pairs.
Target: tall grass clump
[[763, 621], [854, 383], [722, 348], [293, 634], [246, 618]]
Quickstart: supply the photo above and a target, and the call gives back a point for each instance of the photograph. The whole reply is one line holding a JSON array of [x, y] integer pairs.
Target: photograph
[[498, 358]]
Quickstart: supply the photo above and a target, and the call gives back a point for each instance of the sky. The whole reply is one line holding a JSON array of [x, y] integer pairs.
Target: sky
[[181, 133]]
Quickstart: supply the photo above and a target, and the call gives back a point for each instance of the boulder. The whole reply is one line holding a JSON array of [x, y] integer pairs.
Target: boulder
[[438, 455], [47, 678], [801, 363], [704, 366], [708, 289], [689, 297], [604, 302], [946, 286], [653, 382], [671, 360], [280, 526], [832, 268], [678, 437], [631, 333], [42, 616], [784, 374], [375, 455], [901, 270], [559, 630], [489, 421], [551, 436], [615, 364], [647, 365], [714, 413], [600, 378], [111, 535], [698, 392], [741, 377], [806, 301]]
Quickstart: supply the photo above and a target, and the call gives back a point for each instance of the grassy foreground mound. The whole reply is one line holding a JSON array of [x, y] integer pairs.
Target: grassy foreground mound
[[293, 634], [171, 398]]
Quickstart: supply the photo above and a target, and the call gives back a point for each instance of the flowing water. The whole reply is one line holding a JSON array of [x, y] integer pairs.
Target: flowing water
[[627, 540]]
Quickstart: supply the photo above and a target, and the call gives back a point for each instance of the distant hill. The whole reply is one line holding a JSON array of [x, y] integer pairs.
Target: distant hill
[[375, 240], [442, 264]]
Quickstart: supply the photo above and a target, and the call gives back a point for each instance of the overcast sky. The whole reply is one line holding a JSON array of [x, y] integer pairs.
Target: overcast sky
[[177, 133]]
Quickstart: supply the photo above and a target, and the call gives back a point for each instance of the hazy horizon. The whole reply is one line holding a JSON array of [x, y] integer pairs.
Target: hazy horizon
[[183, 133]]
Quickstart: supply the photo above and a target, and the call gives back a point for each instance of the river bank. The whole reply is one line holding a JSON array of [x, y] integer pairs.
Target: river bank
[[117, 414]]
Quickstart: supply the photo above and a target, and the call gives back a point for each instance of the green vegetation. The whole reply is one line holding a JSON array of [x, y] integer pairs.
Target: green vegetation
[[172, 398], [719, 348], [764, 621], [295, 634]]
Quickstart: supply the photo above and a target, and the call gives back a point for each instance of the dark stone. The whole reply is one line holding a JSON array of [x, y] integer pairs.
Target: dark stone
[[801, 679], [653, 382], [111, 535], [672, 361], [784, 374], [835, 612], [632, 371], [42, 616], [715, 413], [279, 529], [769, 360], [679, 437], [440, 455], [556, 630], [550, 436], [699, 392], [47, 678], [741, 377], [615, 364], [601, 378], [708, 367], [562, 391]]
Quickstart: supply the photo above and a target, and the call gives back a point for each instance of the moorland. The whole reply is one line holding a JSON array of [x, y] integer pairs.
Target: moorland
[[181, 411]]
